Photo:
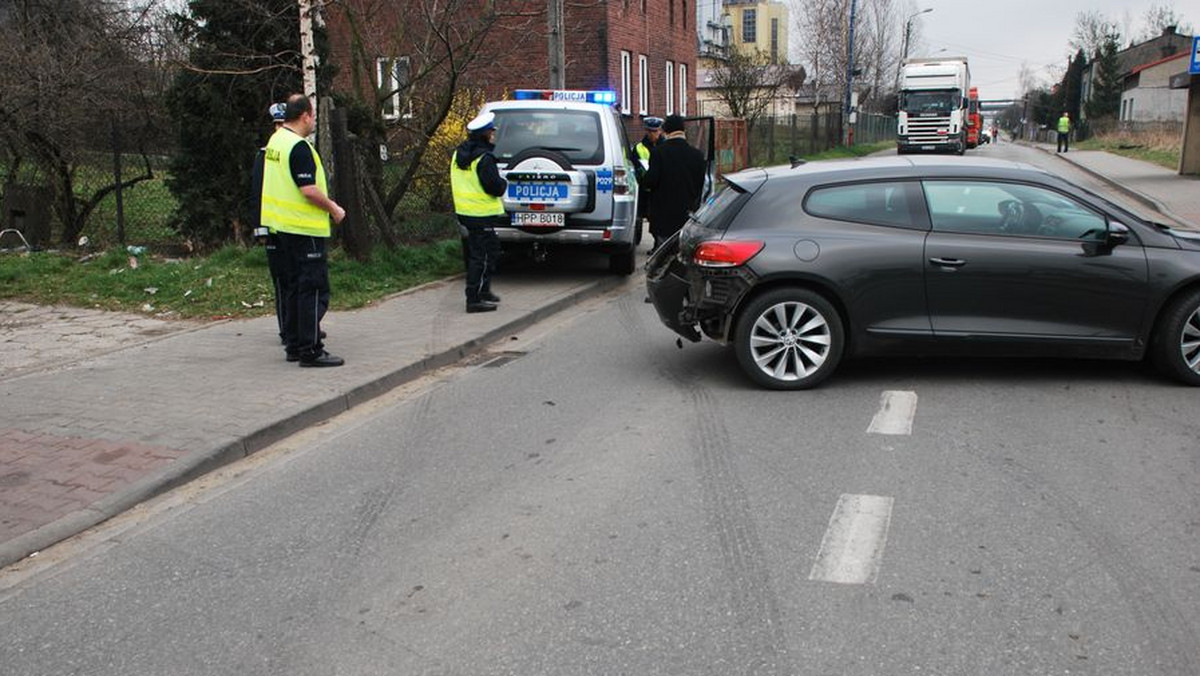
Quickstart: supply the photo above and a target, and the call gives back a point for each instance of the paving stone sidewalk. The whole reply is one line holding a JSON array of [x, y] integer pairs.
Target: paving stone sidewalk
[[1161, 189], [150, 405]]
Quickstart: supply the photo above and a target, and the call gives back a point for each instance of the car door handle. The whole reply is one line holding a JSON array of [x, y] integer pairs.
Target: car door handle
[[948, 262]]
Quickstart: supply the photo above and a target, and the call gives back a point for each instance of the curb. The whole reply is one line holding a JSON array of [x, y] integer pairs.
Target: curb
[[1136, 195], [200, 462]]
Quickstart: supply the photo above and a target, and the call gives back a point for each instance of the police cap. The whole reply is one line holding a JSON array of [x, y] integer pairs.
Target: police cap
[[483, 122]]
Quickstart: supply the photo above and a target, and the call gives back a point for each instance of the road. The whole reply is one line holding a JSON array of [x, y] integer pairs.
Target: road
[[604, 502]]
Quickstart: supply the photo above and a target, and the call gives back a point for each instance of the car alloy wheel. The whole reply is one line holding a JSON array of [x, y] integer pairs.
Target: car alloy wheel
[[1176, 349], [789, 339]]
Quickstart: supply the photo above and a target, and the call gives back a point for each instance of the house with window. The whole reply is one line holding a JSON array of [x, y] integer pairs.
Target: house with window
[[1167, 43], [1147, 94], [645, 50], [759, 26]]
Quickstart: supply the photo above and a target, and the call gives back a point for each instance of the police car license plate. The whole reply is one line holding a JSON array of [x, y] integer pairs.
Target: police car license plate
[[538, 192], [538, 218]]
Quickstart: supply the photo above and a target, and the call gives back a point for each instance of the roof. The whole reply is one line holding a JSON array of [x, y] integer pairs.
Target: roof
[[894, 167], [1144, 66]]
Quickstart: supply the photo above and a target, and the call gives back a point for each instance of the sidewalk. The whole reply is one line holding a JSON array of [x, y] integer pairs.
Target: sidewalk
[[84, 441], [1163, 190]]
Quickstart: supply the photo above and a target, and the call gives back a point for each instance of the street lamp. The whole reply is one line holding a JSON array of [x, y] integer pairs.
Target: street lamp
[[907, 35]]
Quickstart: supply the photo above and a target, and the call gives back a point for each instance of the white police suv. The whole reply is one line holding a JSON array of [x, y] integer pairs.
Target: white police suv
[[570, 178]]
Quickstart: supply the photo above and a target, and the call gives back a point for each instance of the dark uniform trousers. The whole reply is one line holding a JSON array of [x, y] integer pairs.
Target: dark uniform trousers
[[277, 264], [278, 267], [483, 250], [306, 285]]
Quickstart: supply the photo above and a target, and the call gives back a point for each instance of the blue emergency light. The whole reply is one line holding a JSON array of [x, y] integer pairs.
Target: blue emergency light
[[603, 96]]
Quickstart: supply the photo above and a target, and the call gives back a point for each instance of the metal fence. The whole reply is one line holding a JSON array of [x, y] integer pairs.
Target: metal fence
[[118, 194], [774, 139]]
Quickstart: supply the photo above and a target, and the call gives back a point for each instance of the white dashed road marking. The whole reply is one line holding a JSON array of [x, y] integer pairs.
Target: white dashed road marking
[[852, 548], [896, 412]]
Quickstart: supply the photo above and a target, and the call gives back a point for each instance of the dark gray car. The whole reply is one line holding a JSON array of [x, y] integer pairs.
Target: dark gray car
[[798, 267]]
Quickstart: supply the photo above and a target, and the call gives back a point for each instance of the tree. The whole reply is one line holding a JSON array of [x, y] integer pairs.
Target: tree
[[1105, 99], [72, 74], [1161, 16], [435, 70], [1067, 94], [243, 56], [1091, 31], [747, 83], [823, 27]]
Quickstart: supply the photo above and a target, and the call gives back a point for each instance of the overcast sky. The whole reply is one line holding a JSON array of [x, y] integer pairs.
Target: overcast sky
[[998, 36]]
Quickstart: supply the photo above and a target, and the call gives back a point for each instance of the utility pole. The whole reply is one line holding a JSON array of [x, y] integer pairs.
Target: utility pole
[[849, 130], [908, 36], [558, 65], [308, 52]]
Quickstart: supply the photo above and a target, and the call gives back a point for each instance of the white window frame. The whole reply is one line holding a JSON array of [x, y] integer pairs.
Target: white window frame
[[392, 65], [643, 84], [626, 78], [669, 87], [683, 89]]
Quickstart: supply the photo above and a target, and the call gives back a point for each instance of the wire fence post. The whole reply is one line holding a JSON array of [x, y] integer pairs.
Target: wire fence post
[[117, 181]]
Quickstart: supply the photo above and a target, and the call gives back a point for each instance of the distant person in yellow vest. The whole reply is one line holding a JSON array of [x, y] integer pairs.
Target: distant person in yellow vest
[[296, 206], [1064, 132], [477, 187]]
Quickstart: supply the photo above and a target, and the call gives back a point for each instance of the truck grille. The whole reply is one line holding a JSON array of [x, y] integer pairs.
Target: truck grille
[[924, 130]]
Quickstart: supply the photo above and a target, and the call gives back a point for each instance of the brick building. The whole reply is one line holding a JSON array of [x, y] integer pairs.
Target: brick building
[[645, 50]]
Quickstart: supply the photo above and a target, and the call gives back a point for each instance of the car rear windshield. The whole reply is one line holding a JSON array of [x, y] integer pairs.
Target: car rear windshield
[[719, 210], [574, 133]]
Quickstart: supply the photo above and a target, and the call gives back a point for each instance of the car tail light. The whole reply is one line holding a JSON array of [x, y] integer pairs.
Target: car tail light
[[726, 254], [620, 181]]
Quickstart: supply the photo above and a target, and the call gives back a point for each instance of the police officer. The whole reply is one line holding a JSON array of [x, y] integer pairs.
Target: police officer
[[653, 135], [264, 235], [651, 138], [477, 186], [269, 240], [296, 206], [1064, 132]]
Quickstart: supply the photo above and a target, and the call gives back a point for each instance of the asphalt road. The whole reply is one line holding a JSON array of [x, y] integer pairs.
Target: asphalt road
[[595, 500]]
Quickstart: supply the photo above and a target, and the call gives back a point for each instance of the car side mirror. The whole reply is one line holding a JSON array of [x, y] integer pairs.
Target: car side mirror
[[1118, 233], [1114, 236]]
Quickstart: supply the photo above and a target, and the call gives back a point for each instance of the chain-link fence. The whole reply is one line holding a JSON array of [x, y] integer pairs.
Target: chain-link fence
[[775, 139], [110, 193]]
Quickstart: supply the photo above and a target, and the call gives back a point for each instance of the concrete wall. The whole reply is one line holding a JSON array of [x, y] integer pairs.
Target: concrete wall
[[1152, 100]]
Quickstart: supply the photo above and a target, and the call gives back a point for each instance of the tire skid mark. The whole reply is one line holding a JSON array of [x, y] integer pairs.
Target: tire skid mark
[[627, 313], [761, 646], [1174, 644]]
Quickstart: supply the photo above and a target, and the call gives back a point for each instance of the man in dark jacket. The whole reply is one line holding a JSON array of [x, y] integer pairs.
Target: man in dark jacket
[[477, 186], [675, 181]]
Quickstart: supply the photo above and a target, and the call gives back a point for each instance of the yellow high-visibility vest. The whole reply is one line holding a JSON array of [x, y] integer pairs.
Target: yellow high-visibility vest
[[642, 151], [1064, 124], [470, 199], [284, 207]]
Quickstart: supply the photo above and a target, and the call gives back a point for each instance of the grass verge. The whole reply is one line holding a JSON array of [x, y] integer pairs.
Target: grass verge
[[1167, 157], [843, 152], [232, 282]]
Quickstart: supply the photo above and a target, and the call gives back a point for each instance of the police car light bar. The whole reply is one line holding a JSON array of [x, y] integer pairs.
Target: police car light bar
[[604, 96]]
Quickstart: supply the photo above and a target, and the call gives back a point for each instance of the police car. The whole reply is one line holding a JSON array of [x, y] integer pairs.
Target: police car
[[570, 177]]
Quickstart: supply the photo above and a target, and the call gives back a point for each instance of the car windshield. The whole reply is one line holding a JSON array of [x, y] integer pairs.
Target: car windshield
[[574, 133], [930, 103]]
